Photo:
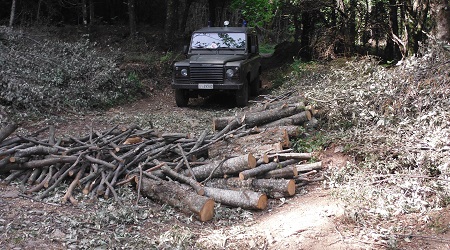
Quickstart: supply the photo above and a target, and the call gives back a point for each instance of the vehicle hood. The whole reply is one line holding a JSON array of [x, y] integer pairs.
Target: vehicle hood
[[215, 59]]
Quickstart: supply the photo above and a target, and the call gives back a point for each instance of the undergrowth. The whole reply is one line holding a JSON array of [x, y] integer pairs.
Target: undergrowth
[[395, 125], [41, 75]]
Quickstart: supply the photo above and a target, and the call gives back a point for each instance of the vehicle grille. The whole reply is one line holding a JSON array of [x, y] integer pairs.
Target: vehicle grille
[[210, 74]]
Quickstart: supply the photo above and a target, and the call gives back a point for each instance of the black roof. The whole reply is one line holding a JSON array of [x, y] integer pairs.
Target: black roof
[[225, 29]]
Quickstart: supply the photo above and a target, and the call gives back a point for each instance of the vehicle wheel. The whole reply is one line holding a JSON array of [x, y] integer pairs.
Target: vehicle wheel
[[255, 86], [242, 96], [181, 97]]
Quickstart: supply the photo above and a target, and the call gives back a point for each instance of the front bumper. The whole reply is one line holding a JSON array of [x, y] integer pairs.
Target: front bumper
[[227, 85]]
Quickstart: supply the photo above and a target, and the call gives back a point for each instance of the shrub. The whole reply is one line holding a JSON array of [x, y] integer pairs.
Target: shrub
[[47, 75]]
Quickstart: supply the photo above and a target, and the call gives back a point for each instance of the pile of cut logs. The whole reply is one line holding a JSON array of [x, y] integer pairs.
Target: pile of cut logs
[[188, 173]]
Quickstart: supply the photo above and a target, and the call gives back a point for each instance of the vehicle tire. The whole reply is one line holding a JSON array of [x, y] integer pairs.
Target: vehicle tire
[[255, 86], [181, 97], [242, 95]]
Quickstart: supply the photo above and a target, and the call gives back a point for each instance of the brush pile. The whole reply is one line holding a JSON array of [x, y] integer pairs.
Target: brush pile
[[174, 168]]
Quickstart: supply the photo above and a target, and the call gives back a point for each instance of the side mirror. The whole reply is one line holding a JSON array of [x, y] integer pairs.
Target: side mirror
[[253, 49], [185, 49]]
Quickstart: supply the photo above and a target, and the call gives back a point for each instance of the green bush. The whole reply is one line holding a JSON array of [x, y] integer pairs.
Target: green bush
[[47, 75], [266, 48]]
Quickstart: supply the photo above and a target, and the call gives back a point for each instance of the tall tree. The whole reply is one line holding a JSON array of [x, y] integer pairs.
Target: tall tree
[[391, 51], [132, 16], [184, 15], [441, 8], [91, 11], [307, 31], [351, 29], [212, 12], [13, 13], [171, 16], [84, 12]]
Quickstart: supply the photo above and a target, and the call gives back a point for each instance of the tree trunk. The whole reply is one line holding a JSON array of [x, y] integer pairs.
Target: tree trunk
[[391, 51], [226, 167], [309, 167], [212, 6], [245, 199], [274, 188], [13, 13], [265, 140], [38, 12], [91, 12], [170, 21], [84, 12], [296, 119], [307, 31], [351, 39], [178, 197], [442, 19], [184, 15], [286, 172], [287, 156], [252, 119], [132, 16], [195, 185], [264, 168]]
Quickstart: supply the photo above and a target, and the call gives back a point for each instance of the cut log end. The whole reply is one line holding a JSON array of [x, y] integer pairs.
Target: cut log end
[[207, 211], [265, 158], [251, 161], [201, 191], [291, 188], [308, 115], [295, 171], [262, 202]]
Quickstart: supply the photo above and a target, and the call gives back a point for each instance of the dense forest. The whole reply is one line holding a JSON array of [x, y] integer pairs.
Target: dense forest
[[324, 29]]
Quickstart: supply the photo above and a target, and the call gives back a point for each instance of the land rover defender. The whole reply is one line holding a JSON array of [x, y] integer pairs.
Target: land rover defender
[[219, 59]]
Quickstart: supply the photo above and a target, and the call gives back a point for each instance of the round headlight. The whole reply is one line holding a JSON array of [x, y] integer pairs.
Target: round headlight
[[184, 72], [230, 73]]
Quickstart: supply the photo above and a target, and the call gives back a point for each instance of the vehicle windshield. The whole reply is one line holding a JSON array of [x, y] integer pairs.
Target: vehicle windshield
[[218, 40]]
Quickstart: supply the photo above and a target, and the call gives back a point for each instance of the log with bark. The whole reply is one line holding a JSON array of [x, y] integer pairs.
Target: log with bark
[[7, 131], [97, 163], [309, 167], [274, 188], [264, 168], [246, 199], [285, 156], [286, 172], [261, 141], [181, 198], [251, 119], [297, 119], [228, 166]]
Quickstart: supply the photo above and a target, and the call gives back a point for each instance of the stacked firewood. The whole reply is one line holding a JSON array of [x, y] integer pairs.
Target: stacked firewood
[[174, 168]]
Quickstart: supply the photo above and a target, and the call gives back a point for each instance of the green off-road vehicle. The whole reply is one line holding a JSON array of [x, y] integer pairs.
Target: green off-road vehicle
[[219, 59]]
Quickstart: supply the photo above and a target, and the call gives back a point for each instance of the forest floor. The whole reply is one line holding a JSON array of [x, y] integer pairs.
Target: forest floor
[[312, 219]]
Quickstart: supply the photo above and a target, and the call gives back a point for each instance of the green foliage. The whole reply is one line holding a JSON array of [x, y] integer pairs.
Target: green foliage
[[257, 12], [45, 76], [314, 143], [276, 77], [299, 67], [266, 48], [167, 57], [140, 57]]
